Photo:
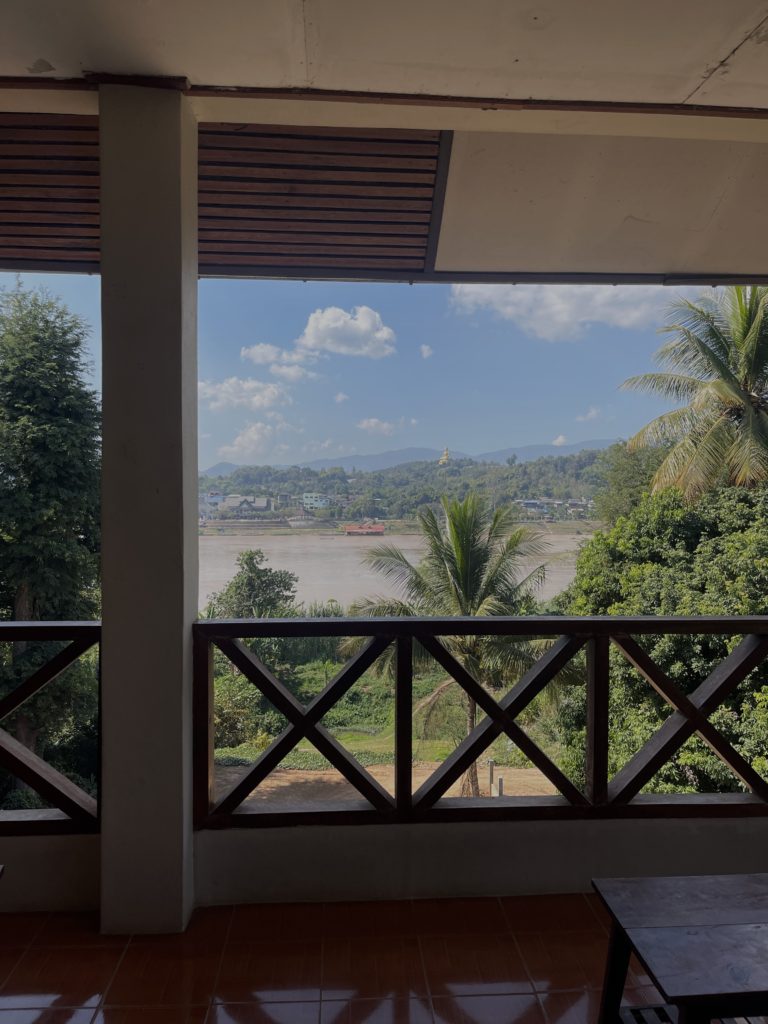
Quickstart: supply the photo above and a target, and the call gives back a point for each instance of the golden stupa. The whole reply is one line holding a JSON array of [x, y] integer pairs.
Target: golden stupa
[[445, 458]]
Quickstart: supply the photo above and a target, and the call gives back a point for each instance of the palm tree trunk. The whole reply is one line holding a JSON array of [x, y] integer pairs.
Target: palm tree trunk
[[470, 784]]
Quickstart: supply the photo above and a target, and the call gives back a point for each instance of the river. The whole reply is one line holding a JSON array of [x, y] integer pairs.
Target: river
[[330, 565]]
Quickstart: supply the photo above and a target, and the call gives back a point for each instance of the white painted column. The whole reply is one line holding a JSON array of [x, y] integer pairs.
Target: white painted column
[[149, 504]]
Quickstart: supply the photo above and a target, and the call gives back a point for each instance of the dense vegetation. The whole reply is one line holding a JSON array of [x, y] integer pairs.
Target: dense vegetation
[[49, 524], [401, 491]]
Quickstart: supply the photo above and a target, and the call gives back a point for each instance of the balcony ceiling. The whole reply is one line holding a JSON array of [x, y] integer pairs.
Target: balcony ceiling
[[492, 140], [687, 51]]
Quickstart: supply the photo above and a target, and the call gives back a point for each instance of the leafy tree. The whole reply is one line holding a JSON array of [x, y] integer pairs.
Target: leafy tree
[[717, 362], [671, 557], [627, 476], [472, 566], [49, 498]]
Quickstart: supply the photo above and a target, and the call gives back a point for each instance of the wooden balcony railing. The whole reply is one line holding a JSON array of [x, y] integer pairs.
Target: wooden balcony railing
[[601, 797], [73, 639]]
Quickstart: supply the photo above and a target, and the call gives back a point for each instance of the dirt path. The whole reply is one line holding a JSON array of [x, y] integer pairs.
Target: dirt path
[[292, 789]]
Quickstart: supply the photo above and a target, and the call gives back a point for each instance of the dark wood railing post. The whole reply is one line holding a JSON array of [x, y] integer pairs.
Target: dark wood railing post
[[202, 727], [598, 679], [404, 725]]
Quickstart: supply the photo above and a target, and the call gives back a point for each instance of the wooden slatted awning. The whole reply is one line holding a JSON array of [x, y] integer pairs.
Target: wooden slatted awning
[[273, 200]]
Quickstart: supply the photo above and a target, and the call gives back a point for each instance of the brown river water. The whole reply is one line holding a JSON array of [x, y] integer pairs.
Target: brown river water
[[330, 565]]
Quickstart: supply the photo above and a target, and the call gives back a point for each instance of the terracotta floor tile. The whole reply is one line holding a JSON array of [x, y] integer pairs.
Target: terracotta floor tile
[[458, 917], [155, 975], [580, 1007], [507, 1009], [569, 912], [564, 960], [59, 977], [76, 930], [372, 920], [266, 922], [470, 965], [46, 1016], [598, 909], [151, 1015], [376, 1011], [20, 929], [265, 1013], [207, 930], [371, 968], [9, 958], [637, 976], [270, 972], [646, 995]]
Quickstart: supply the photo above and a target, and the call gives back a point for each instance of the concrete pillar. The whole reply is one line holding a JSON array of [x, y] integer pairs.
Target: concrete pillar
[[149, 504]]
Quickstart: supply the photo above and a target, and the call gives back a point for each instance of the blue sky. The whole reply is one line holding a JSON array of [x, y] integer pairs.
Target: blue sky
[[293, 371]]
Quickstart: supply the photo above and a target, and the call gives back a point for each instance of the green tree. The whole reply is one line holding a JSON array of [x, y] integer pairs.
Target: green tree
[[256, 591], [672, 557], [627, 476], [717, 362], [49, 496], [474, 565]]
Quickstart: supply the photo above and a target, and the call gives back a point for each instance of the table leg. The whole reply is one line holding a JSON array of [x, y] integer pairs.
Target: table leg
[[616, 968]]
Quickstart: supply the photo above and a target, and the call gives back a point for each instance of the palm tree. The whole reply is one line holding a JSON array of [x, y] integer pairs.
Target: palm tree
[[473, 566], [717, 362]]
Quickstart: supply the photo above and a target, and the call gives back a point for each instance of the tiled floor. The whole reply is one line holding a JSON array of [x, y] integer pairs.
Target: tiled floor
[[531, 959]]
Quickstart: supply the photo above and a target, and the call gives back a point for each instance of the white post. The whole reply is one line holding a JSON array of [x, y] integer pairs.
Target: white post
[[149, 504]]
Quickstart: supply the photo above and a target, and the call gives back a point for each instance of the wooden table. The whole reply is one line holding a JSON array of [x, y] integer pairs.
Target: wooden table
[[703, 939]]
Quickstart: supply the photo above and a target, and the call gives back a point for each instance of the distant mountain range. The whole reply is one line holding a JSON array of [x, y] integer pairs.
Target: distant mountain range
[[386, 460]]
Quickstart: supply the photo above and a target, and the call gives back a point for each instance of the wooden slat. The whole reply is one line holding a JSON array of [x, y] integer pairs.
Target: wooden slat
[[72, 136], [211, 195], [311, 131], [264, 162], [598, 683], [64, 255], [679, 701], [45, 780], [329, 248], [678, 728], [44, 151], [298, 175], [60, 232], [278, 218], [45, 674], [501, 715], [268, 142], [202, 728], [39, 215], [307, 241], [304, 722], [404, 724], [348, 263], [48, 242], [309, 188], [50, 122]]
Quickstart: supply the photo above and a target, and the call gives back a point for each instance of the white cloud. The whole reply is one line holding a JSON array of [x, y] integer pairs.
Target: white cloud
[[359, 333], [291, 372], [340, 397], [253, 440], [238, 391], [563, 312], [426, 351], [559, 441], [376, 426], [591, 414], [261, 354]]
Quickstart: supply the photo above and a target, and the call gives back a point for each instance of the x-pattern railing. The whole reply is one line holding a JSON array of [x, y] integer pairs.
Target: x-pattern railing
[[19, 760], [602, 796]]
